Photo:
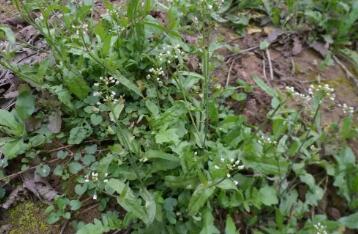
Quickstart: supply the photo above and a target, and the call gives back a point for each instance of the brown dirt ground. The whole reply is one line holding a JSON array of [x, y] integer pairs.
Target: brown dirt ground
[[296, 70]]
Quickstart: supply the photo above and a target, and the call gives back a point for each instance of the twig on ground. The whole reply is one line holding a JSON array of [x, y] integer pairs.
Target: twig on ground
[[64, 226], [270, 63], [244, 51], [26, 170], [348, 73], [229, 72]]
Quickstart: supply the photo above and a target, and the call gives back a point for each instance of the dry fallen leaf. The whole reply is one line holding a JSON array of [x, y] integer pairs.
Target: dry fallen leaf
[[13, 197], [39, 187], [253, 29], [297, 46], [321, 48]]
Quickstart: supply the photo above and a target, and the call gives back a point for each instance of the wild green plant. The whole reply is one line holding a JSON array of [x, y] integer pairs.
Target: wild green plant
[[155, 144]]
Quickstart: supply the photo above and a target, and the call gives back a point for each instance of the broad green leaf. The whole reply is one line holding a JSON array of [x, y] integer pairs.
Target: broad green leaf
[[150, 205], [14, 148], [213, 111], [75, 167], [208, 223], [268, 195], [117, 109], [78, 134], [76, 85], [264, 86], [156, 154], [96, 119], [63, 95], [198, 199], [75, 205], [25, 103], [152, 107], [128, 84], [167, 136], [230, 227], [10, 124], [350, 221], [43, 170], [10, 36], [129, 201], [80, 189]]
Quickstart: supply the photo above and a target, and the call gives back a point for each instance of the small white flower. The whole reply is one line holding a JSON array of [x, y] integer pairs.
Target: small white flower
[[228, 175], [95, 196], [240, 167]]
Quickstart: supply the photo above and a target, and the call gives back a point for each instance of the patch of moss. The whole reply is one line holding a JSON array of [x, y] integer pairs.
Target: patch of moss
[[28, 218]]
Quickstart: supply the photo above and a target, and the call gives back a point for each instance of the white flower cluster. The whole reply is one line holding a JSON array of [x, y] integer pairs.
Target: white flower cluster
[[107, 95], [107, 81], [172, 52], [156, 73], [145, 159], [325, 88], [110, 96], [328, 92], [346, 109], [82, 27], [320, 229], [294, 93], [94, 177], [266, 139], [231, 165]]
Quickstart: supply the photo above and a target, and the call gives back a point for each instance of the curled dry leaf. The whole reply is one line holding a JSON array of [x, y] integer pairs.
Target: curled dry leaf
[[297, 46], [272, 34], [193, 63], [39, 187], [321, 48], [14, 196], [191, 39]]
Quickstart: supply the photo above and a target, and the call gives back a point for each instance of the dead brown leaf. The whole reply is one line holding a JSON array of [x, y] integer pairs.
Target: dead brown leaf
[[39, 187], [14, 196], [297, 46], [321, 48]]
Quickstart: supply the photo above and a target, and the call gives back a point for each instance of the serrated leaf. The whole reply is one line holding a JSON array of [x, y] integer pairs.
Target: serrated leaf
[[96, 119], [76, 85], [78, 134], [128, 200], [14, 148], [10, 124]]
